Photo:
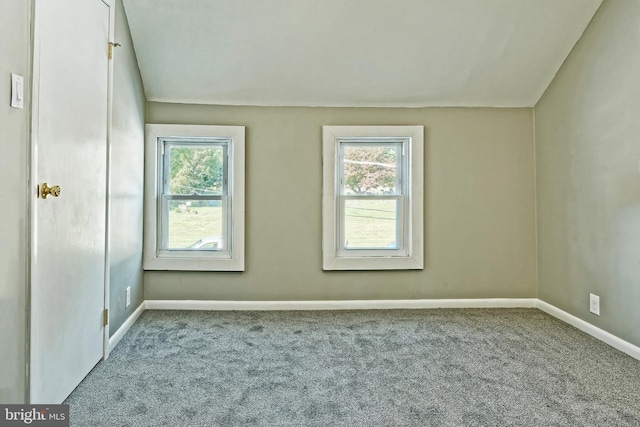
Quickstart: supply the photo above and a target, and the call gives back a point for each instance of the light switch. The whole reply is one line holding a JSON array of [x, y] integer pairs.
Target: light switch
[[17, 91]]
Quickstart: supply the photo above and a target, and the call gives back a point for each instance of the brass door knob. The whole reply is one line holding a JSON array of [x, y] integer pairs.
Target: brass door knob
[[46, 191]]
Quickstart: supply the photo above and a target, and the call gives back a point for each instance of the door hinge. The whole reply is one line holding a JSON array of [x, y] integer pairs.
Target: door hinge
[[105, 317], [111, 46]]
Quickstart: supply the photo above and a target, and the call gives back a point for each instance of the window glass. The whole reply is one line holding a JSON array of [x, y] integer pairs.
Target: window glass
[[370, 212], [371, 224], [370, 168], [195, 170], [193, 206], [192, 222]]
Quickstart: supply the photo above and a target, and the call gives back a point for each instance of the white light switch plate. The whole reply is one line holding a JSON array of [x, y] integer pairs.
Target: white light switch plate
[[17, 91]]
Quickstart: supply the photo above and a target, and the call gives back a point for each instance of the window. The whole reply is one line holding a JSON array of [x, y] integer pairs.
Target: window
[[372, 197], [194, 203]]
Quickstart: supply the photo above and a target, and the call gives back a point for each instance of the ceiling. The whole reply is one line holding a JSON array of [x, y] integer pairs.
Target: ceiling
[[402, 53]]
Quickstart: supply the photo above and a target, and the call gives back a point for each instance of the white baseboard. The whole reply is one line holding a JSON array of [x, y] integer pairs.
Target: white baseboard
[[584, 326], [340, 305], [122, 330], [594, 331]]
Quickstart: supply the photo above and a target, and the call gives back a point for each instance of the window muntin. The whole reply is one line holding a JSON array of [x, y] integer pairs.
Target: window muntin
[[194, 200], [372, 197]]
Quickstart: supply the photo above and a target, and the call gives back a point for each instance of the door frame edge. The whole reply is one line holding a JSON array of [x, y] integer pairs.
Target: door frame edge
[[30, 206], [107, 241]]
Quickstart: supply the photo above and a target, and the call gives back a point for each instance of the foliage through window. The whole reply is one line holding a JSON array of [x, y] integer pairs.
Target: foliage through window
[[196, 170], [369, 168]]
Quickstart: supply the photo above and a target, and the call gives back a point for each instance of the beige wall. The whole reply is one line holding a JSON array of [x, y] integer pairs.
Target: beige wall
[[127, 158], [479, 206], [588, 177], [15, 48]]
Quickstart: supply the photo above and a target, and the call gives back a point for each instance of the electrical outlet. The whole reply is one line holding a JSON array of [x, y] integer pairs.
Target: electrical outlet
[[127, 299], [594, 304]]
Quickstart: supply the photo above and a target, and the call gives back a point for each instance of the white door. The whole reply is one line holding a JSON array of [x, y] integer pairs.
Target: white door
[[70, 88]]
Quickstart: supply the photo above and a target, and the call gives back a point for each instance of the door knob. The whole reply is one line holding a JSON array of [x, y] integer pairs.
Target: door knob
[[46, 191]]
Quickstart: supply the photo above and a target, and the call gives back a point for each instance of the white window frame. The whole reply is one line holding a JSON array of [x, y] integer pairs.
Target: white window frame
[[410, 254], [154, 256]]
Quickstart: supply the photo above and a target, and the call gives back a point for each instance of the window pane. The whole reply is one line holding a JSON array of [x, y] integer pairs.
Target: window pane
[[371, 224], [195, 224], [371, 169], [195, 170]]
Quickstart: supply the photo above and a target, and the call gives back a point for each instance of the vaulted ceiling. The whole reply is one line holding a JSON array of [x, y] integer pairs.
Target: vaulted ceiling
[[406, 53]]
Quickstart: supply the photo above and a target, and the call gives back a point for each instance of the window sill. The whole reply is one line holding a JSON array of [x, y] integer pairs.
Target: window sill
[[372, 263], [192, 264]]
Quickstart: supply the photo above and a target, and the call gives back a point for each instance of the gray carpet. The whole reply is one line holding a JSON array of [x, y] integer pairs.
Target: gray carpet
[[481, 367]]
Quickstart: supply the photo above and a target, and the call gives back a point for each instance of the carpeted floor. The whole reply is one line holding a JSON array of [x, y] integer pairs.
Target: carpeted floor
[[480, 367]]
